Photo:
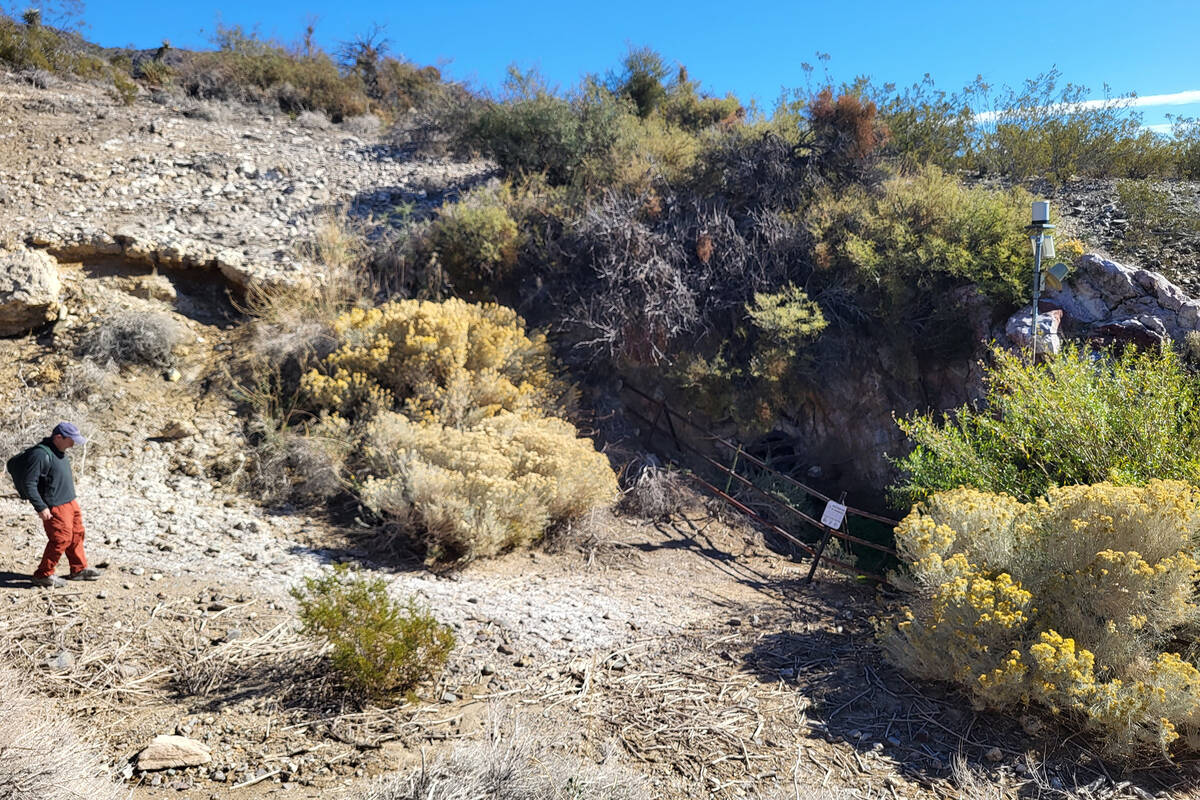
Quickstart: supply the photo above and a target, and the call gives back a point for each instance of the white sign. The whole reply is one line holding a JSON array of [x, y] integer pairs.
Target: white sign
[[834, 514]]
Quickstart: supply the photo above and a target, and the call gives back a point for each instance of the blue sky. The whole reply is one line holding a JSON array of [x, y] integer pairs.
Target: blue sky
[[750, 47]]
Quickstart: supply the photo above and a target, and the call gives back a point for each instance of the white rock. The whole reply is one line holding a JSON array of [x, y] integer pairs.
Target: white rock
[[166, 751], [29, 290]]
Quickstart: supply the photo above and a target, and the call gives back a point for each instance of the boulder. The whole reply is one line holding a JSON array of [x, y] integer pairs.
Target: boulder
[[167, 751], [1109, 302], [29, 290], [1019, 329]]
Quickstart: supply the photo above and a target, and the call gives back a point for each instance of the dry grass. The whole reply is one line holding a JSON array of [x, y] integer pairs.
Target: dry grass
[[520, 767], [654, 492], [41, 755]]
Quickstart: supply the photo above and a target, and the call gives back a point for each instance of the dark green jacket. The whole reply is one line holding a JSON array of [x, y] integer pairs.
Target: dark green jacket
[[48, 482]]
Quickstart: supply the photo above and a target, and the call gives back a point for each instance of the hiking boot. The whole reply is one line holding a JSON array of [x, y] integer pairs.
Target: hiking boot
[[85, 574], [49, 581]]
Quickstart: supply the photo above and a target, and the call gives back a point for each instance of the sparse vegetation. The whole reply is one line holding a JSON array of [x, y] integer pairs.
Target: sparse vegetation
[[512, 769], [379, 646], [42, 757], [1081, 604]]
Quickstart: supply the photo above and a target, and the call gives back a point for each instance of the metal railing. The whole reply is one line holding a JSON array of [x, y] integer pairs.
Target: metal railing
[[668, 416]]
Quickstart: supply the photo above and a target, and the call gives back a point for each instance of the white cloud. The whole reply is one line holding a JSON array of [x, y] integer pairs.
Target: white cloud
[[1174, 99]]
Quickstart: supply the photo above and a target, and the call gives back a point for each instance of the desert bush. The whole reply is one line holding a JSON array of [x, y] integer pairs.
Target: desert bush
[[844, 134], [653, 492], [475, 241], [364, 125], [1046, 129], [133, 337], [313, 120], [572, 140], [123, 89], [1186, 133], [42, 756], [379, 646], [154, 72], [248, 68], [484, 490], [452, 401], [928, 126], [1081, 603], [687, 108], [1150, 213], [518, 768], [918, 235], [26, 46], [454, 362], [1078, 419], [752, 170]]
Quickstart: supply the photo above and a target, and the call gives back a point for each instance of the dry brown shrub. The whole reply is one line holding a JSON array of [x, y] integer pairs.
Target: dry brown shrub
[[41, 755], [520, 768]]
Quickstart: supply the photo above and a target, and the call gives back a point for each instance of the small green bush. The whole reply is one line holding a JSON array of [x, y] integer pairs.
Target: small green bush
[[379, 646], [476, 243], [155, 73], [1082, 604], [572, 140], [1078, 419]]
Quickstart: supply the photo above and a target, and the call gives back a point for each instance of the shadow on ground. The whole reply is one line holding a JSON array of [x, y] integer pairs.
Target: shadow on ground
[[828, 653]]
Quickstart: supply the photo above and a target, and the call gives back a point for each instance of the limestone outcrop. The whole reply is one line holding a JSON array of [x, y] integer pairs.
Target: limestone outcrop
[[29, 290]]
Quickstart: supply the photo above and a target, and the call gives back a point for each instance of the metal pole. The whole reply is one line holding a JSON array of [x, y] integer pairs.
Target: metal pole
[[1037, 288]]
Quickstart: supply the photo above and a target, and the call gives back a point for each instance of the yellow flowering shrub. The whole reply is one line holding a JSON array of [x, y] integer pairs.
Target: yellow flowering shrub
[[453, 362], [1081, 603], [453, 404], [481, 491]]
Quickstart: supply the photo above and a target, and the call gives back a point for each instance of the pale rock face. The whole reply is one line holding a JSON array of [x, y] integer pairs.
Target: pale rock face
[[165, 752], [29, 290], [1104, 299], [1019, 329]]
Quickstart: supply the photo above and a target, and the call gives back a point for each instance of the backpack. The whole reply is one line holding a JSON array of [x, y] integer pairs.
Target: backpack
[[18, 467]]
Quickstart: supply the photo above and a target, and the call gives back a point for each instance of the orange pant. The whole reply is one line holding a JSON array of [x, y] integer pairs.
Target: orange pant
[[65, 531]]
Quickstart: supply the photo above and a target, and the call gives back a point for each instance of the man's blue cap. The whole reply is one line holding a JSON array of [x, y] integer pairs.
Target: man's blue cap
[[70, 431]]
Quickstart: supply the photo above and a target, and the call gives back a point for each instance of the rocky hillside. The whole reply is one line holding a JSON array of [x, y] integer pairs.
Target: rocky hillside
[[181, 184]]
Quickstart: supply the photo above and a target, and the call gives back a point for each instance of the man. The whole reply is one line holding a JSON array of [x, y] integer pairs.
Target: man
[[48, 484]]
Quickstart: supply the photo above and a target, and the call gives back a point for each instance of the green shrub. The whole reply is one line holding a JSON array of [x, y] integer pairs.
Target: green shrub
[[155, 73], [35, 46], [1077, 419], [246, 67], [476, 243], [572, 140], [379, 646], [124, 90], [927, 126], [1082, 604], [902, 245]]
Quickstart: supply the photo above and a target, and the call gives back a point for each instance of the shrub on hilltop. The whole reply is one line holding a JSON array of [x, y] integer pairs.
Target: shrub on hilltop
[[1081, 604]]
